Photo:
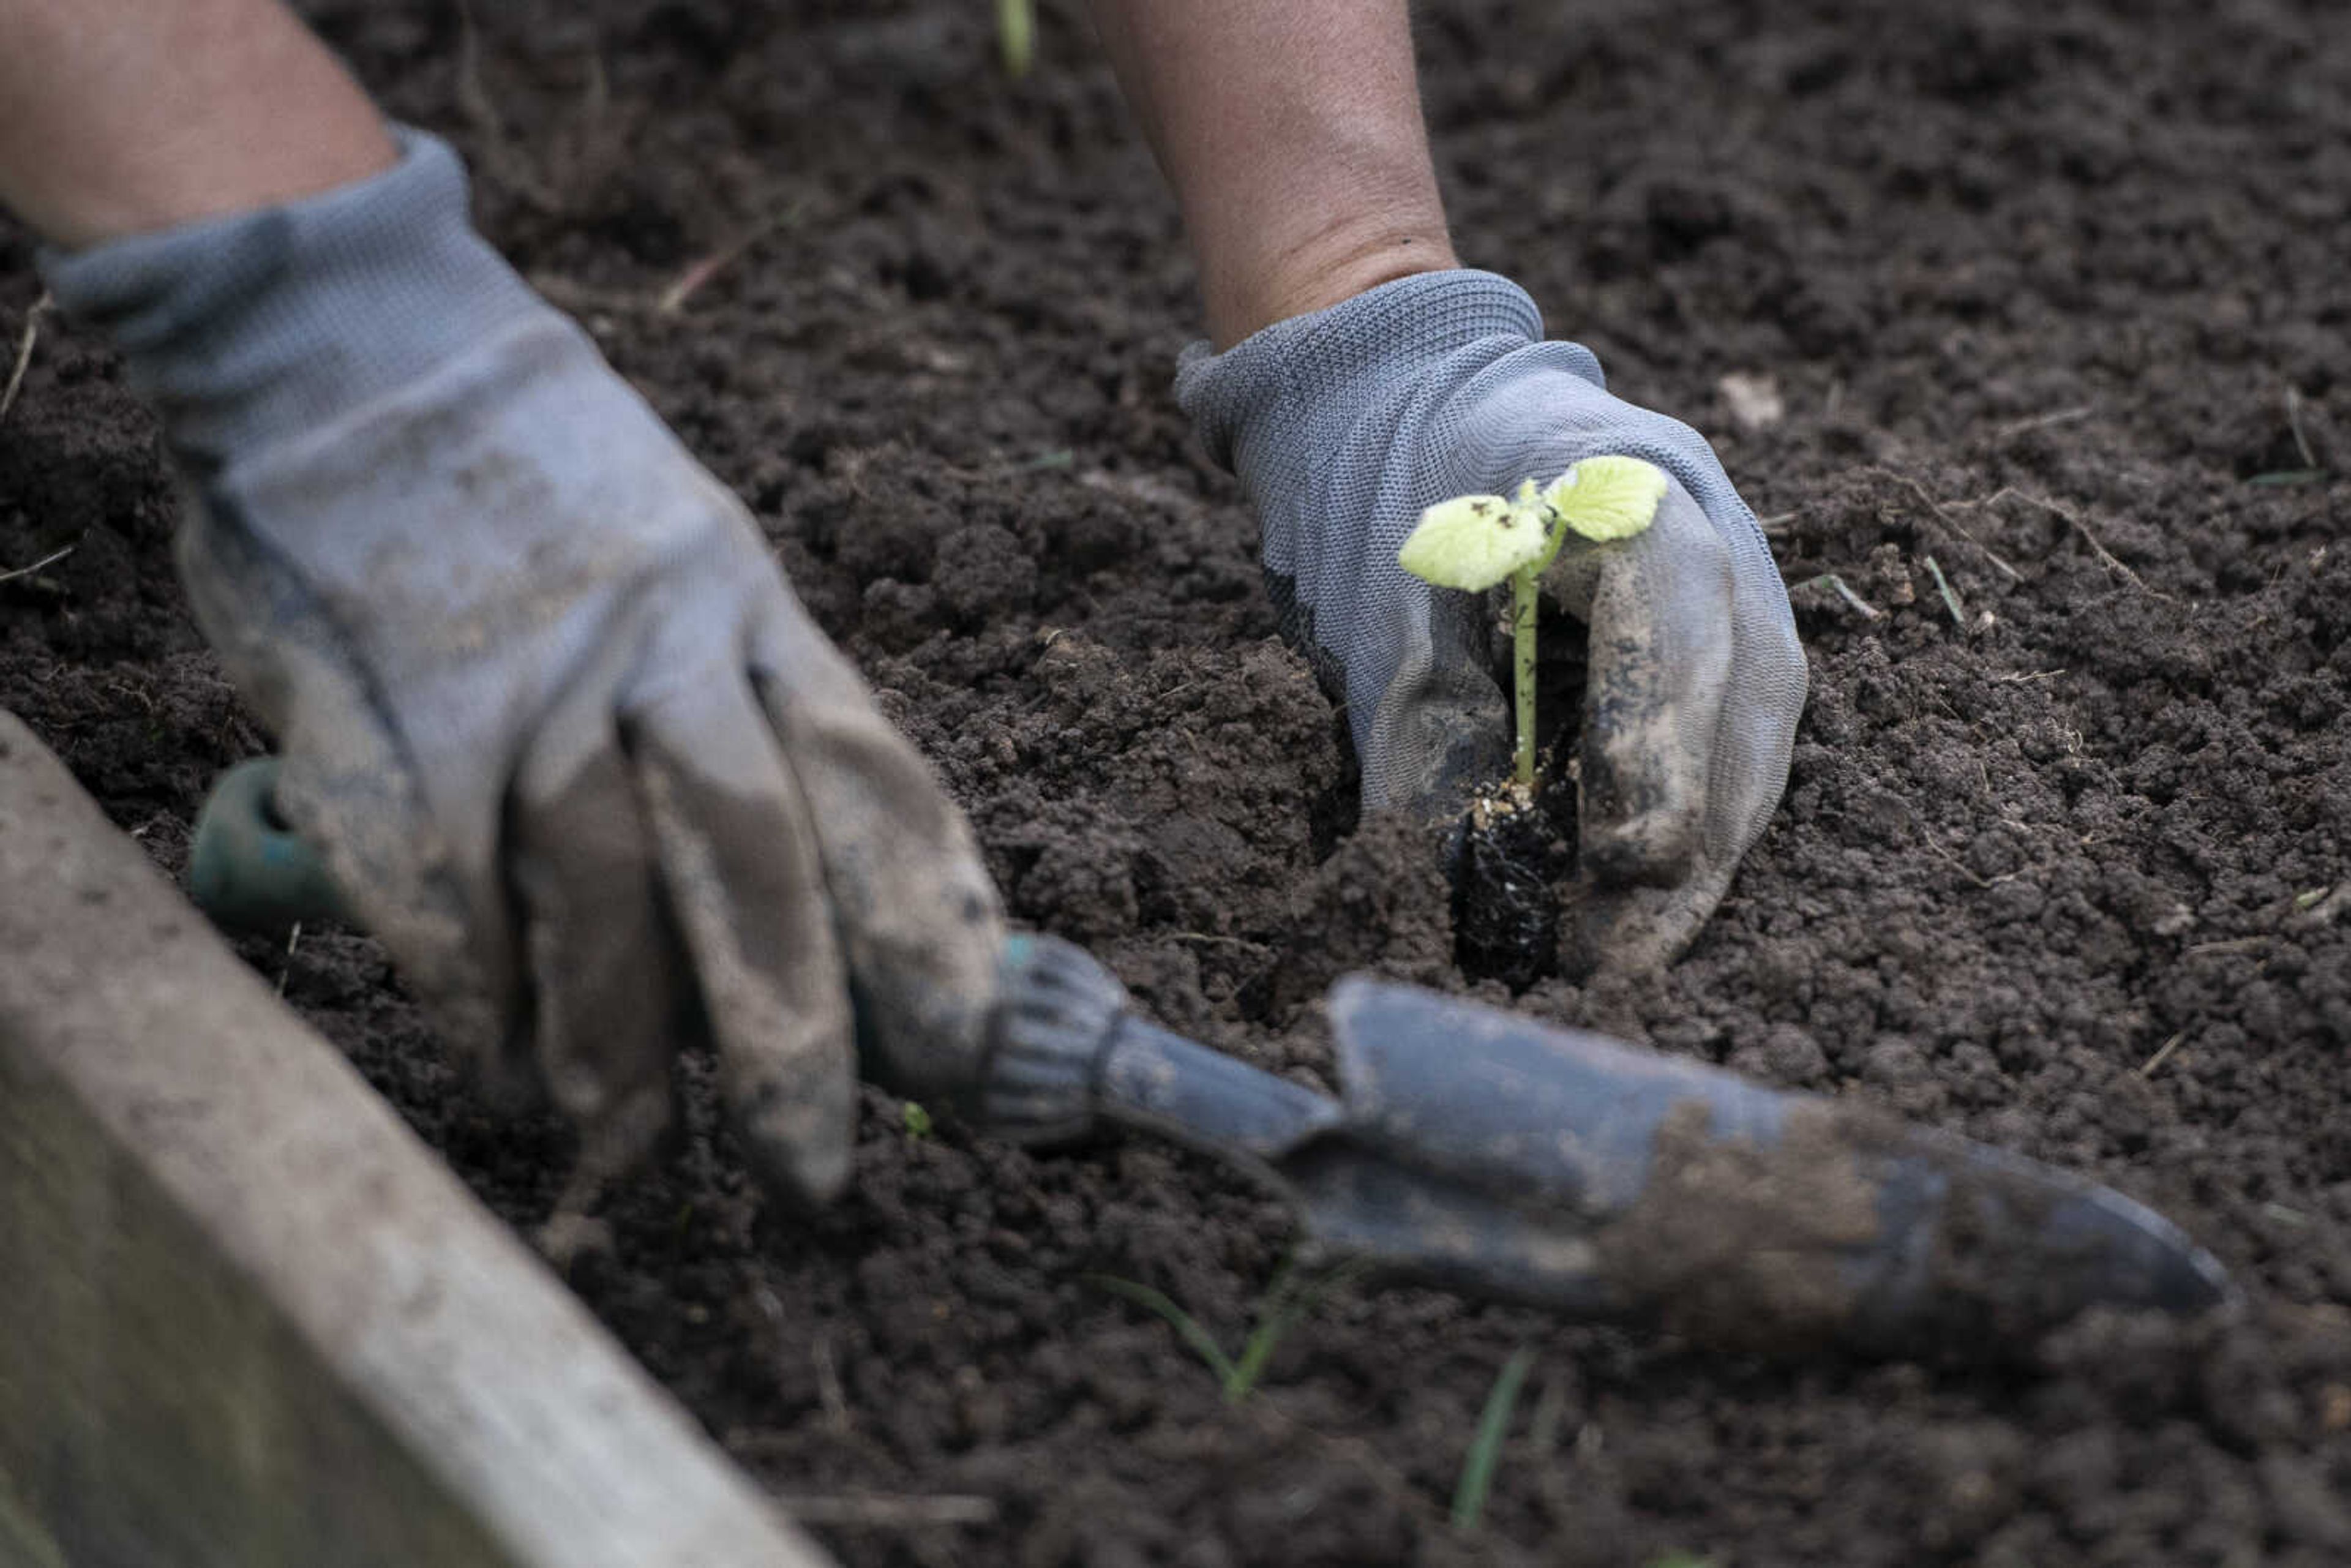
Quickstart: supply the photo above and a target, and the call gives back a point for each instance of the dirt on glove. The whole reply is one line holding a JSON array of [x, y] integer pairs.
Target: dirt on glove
[[2049, 294]]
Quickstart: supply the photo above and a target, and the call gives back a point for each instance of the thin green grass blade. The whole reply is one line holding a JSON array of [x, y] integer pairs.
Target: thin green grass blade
[[1486, 1449], [1283, 1306], [1016, 34], [1288, 1301], [1950, 595], [1187, 1328]]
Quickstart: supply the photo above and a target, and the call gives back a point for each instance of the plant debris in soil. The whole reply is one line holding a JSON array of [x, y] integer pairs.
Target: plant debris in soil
[[2051, 292]]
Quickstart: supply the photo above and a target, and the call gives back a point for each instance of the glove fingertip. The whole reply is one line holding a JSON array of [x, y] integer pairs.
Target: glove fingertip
[[1654, 848], [1637, 929], [800, 1140], [739, 862]]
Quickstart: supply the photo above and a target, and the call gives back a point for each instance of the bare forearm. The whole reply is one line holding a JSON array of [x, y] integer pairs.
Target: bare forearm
[[123, 116], [1291, 131]]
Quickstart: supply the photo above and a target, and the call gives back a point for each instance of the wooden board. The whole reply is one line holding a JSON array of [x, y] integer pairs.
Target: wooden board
[[246, 1317]]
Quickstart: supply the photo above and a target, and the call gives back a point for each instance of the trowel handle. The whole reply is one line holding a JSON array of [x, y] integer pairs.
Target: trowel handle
[[1067, 1051], [246, 867]]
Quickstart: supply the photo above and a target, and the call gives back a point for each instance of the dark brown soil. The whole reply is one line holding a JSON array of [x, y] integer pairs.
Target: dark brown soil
[[2054, 292]]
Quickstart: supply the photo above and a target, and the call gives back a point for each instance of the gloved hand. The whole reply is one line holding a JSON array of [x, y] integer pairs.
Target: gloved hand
[[549, 710], [1343, 424]]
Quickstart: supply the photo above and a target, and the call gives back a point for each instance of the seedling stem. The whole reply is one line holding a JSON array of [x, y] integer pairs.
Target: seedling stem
[[1524, 599]]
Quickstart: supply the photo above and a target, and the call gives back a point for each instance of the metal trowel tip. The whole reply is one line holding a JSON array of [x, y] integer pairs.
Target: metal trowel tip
[[2142, 1260]]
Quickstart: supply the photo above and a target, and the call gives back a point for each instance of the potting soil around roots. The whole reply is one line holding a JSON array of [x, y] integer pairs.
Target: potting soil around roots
[[2048, 296]]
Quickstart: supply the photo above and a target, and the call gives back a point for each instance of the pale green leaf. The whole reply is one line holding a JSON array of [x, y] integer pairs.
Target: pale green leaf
[[1608, 498], [1473, 542]]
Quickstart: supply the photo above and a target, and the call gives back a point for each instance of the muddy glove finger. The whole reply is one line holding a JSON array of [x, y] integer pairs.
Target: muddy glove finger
[[738, 860], [1696, 684], [920, 926], [1658, 610], [608, 995]]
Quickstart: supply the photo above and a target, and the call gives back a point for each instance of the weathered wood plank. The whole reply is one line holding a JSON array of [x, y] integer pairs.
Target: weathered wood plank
[[246, 1318]]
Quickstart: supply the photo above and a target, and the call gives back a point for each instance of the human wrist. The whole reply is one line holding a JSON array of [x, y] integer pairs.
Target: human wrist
[[135, 116], [253, 326], [1266, 395], [1318, 270]]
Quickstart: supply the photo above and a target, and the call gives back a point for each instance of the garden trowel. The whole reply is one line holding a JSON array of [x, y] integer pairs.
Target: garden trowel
[[1477, 1150]]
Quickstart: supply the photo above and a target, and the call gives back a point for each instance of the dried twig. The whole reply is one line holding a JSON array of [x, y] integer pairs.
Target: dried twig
[[2163, 1054], [579, 299], [2293, 422], [2227, 944], [293, 940], [1947, 521], [2014, 428], [24, 342], [498, 156], [2073, 518], [888, 1511], [673, 298], [828, 1391], [1957, 864], [49, 560], [1869, 611]]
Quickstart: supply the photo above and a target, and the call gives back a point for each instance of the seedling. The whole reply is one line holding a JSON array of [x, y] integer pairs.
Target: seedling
[[1478, 542], [1285, 1304], [917, 1121]]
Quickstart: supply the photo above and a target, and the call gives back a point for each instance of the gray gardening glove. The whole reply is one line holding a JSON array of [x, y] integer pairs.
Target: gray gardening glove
[[1343, 424], [561, 732]]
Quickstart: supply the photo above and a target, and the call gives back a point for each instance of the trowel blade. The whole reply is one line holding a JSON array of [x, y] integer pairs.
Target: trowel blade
[[1505, 1157]]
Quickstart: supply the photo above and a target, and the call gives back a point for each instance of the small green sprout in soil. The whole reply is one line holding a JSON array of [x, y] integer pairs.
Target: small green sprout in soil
[[1016, 34], [1470, 1493], [1950, 595], [1478, 542], [917, 1120], [1285, 1304]]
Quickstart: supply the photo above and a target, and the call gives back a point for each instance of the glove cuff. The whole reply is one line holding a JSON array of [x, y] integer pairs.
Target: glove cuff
[[1257, 395], [245, 328]]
